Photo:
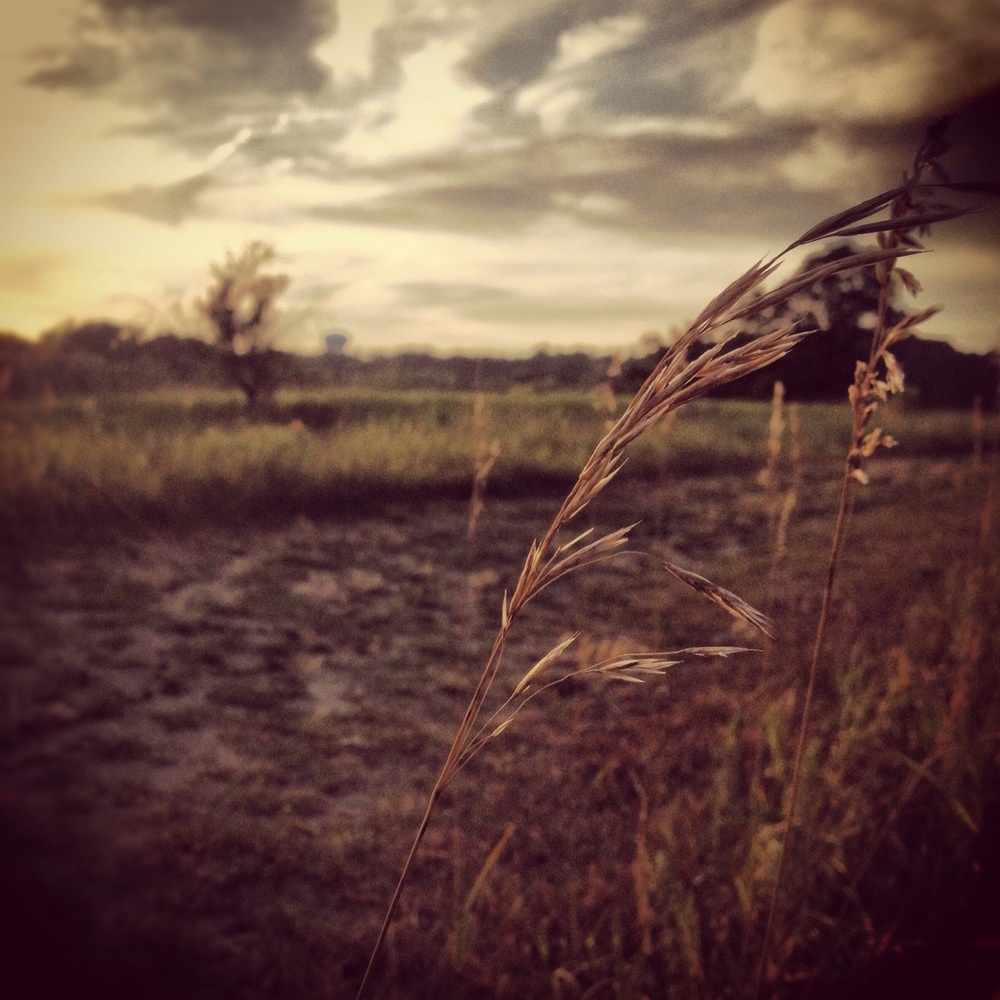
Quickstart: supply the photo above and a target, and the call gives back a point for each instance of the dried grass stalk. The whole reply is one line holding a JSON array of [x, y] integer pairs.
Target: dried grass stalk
[[875, 380], [484, 459], [675, 381]]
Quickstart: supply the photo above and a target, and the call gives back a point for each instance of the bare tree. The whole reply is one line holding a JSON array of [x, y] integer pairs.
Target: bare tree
[[240, 306]]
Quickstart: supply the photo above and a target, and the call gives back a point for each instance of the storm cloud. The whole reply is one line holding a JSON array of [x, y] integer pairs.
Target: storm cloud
[[650, 123], [171, 203], [732, 73]]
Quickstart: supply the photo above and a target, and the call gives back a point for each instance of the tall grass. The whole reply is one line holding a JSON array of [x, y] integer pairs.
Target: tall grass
[[875, 380], [675, 382], [167, 459], [567, 906]]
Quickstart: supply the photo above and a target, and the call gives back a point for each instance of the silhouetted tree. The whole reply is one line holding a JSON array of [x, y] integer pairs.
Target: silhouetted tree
[[95, 356], [939, 376], [843, 308], [16, 355], [240, 304], [97, 337]]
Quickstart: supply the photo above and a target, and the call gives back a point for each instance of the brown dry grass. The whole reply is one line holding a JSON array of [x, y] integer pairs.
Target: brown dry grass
[[675, 381], [875, 380]]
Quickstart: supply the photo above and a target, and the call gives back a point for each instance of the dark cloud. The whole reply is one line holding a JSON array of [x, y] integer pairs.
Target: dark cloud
[[407, 33], [170, 203], [495, 304], [211, 67], [678, 21], [85, 68], [663, 70], [975, 156], [306, 144], [684, 65], [497, 206], [315, 291], [521, 51], [261, 24], [194, 61], [974, 134], [893, 62], [457, 295], [649, 184]]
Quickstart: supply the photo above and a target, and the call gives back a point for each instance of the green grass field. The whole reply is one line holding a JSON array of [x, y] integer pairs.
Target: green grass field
[[185, 459]]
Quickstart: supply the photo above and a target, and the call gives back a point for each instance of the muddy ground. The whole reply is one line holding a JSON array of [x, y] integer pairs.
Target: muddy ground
[[216, 744]]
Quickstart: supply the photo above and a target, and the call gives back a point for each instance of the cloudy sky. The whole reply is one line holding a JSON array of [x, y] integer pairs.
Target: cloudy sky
[[474, 175]]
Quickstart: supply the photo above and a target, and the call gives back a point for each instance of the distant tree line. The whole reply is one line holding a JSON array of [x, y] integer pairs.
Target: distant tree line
[[821, 368], [841, 310], [102, 357]]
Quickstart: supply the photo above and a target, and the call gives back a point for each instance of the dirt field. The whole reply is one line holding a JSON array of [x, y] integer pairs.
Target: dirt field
[[215, 747]]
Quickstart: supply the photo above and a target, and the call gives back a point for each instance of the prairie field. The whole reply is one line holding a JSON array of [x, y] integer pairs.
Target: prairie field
[[235, 652], [175, 459]]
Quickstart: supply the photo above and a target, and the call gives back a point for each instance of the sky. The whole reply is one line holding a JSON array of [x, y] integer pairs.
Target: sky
[[475, 176]]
